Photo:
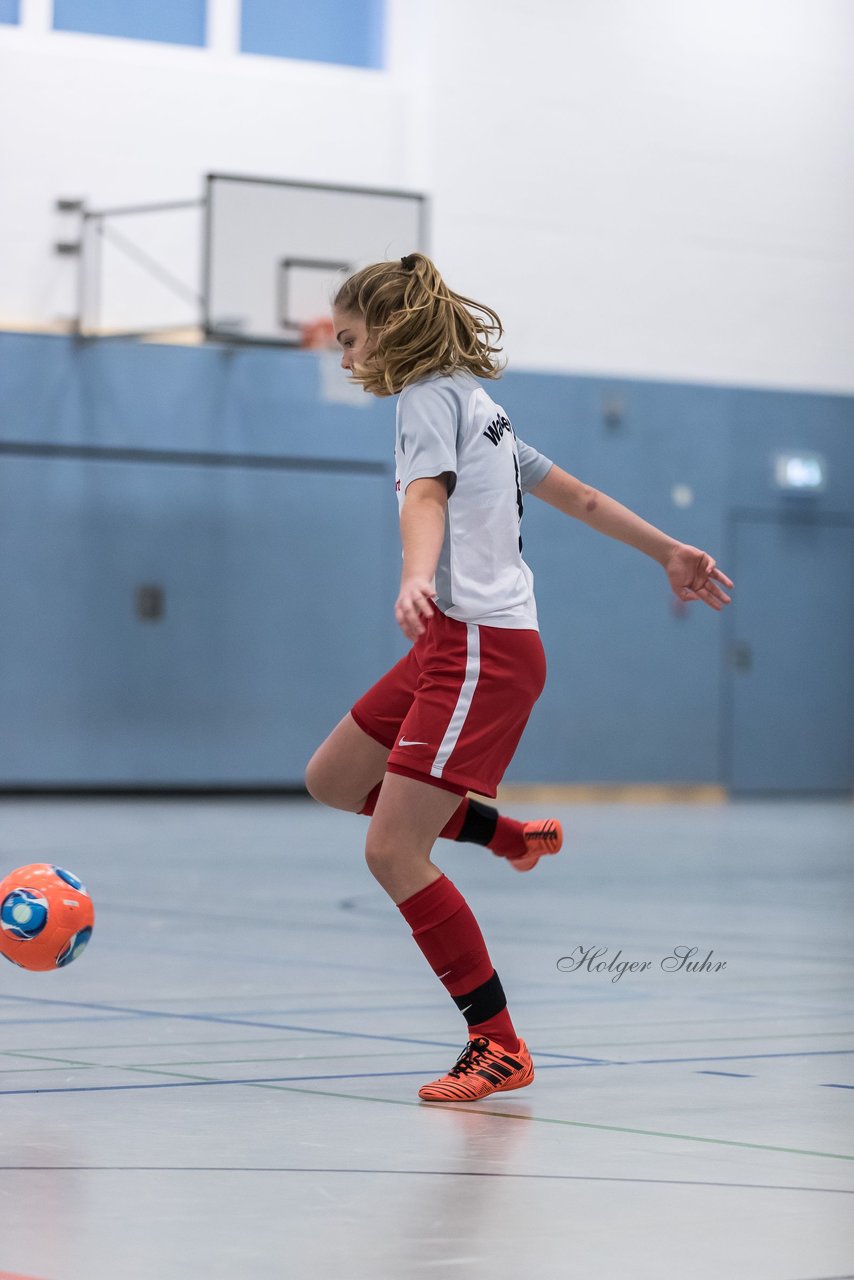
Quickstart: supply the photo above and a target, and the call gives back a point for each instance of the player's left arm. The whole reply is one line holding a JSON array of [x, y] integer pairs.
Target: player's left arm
[[692, 573]]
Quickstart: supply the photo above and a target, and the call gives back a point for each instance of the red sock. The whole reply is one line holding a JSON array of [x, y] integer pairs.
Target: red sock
[[445, 929], [509, 838], [371, 802], [500, 1029]]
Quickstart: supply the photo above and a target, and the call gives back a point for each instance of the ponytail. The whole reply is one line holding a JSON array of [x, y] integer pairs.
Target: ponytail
[[418, 325]]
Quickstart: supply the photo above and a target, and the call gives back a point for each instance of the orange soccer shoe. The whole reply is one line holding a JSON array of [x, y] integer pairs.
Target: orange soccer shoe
[[482, 1068], [545, 836]]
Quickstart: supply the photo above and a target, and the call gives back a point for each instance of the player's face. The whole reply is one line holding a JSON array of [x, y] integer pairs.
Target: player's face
[[352, 337]]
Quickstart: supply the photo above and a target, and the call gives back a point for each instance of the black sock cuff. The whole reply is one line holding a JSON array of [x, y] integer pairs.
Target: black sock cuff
[[483, 1003], [479, 823]]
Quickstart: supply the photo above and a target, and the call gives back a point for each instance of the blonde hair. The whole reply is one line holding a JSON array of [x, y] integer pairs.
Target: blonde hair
[[418, 325]]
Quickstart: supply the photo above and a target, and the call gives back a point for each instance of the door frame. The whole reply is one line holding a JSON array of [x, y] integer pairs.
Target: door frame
[[797, 509]]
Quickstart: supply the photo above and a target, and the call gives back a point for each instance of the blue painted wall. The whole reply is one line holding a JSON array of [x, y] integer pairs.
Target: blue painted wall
[[268, 517]]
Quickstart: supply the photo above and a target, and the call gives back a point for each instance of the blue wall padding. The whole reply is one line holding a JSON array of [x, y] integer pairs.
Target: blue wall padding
[[280, 578]]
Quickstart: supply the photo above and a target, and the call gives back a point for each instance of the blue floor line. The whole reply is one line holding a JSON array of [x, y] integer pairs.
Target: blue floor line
[[388, 1039], [738, 1057], [206, 1084], [418, 1173], [55, 1022], [234, 1022], [244, 1022], [737, 1075], [301, 1079]]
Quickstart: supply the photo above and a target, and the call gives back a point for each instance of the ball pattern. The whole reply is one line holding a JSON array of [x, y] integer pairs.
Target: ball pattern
[[70, 878], [23, 913], [73, 947]]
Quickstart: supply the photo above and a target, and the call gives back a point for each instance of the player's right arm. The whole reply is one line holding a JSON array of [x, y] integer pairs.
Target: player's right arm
[[422, 531]]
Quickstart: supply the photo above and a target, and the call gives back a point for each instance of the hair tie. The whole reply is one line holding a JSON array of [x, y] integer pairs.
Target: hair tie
[[408, 262]]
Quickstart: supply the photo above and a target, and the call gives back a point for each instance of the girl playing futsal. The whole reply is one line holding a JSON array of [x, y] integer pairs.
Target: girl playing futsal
[[448, 717]]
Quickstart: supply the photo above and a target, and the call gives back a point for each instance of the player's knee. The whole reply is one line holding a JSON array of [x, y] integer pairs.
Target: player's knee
[[322, 785], [319, 784], [380, 856]]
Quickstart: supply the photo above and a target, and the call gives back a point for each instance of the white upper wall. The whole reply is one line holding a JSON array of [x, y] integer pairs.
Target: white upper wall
[[661, 189], [127, 122]]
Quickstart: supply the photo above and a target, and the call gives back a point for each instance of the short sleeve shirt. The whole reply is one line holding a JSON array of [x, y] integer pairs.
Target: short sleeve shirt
[[449, 424]]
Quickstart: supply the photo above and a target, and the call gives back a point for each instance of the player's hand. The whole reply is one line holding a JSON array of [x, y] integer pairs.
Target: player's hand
[[413, 606], [693, 575]]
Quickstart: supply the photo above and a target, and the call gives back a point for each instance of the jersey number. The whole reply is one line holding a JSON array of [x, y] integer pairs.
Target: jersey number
[[520, 505]]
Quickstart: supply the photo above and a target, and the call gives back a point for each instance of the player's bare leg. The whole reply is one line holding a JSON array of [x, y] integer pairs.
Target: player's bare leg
[[346, 768], [408, 817], [346, 772]]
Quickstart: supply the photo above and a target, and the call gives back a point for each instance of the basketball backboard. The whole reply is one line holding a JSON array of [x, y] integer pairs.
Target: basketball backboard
[[275, 250]]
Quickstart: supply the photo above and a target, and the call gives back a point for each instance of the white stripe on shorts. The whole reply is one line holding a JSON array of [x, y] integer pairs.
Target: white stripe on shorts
[[464, 701]]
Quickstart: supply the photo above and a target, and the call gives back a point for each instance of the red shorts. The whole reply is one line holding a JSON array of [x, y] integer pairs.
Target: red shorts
[[453, 710]]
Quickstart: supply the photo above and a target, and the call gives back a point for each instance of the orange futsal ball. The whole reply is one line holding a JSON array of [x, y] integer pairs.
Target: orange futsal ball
[[46, 917]]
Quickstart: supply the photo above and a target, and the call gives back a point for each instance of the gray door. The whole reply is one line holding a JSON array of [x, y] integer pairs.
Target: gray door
[[788, 726]]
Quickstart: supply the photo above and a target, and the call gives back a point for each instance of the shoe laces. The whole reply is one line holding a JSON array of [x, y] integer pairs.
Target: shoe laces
[[469, 1059], [548, 831]]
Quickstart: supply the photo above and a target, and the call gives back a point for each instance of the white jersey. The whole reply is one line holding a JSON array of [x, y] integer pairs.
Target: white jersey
[[448, 423]]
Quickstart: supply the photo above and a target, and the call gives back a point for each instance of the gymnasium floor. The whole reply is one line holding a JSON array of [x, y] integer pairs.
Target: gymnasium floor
[[224, 1084]]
